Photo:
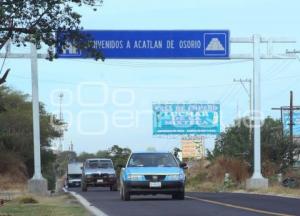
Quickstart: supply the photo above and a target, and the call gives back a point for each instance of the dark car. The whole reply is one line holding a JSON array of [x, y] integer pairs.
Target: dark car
[[98, 172]]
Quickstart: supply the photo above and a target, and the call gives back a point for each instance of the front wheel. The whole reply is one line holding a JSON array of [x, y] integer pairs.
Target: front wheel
[[179, 196], [114, 187], [125, 195], [83, 187]]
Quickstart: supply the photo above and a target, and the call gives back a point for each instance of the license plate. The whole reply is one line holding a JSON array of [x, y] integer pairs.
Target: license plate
[[155, 184], [100, 181]]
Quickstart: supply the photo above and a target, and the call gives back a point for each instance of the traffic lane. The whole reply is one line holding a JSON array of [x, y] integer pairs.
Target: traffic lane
[[110, 203], [284, 205]]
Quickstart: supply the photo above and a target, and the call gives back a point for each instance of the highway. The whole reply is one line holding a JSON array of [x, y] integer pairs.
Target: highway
[[206, 204]]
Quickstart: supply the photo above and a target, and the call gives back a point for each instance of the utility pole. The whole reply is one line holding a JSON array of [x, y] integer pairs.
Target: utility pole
[[281, 118], [291, 118], [291, 123], [291, 110], [249, 93], [60, 147]]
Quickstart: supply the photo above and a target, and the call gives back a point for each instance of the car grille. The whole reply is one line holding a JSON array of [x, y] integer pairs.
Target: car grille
[[95, 175], [104, 176], [155, 177], [100, 176]]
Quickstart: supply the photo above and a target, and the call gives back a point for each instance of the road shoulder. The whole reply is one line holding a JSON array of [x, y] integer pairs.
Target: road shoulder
[[86, 204]]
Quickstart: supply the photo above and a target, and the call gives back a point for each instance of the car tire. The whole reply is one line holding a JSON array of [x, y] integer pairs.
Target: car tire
[[179, 196], [125, 194], [114, 187], [83, 187]]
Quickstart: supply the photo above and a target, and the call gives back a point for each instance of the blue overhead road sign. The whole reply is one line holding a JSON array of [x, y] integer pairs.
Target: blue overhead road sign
[[158, 44]]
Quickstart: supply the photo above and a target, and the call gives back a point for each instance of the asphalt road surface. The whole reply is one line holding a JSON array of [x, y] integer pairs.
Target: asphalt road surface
[[206, 204]]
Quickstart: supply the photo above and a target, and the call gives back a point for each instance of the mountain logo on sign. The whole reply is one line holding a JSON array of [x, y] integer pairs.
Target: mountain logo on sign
[[215, 45]]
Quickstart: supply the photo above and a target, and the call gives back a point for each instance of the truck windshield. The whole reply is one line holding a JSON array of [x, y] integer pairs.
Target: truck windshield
[[104, 164], [152, 160]]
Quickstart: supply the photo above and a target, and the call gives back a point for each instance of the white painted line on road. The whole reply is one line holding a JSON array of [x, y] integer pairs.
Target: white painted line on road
[[238, 207], [92, 209]]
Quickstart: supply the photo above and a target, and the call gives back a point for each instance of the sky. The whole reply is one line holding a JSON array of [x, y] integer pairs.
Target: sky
[[95, 92]]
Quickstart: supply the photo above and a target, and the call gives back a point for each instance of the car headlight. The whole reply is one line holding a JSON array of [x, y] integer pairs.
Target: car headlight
[[176, 177], [134, 177]]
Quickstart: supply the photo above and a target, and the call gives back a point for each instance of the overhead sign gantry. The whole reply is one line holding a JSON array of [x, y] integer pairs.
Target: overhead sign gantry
[[158, 44], [212, 44]]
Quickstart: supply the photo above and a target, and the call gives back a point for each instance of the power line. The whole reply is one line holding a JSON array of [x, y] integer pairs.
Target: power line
[[160, 64]]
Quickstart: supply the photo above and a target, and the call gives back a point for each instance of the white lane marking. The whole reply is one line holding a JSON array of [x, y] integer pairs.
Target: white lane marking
[[92, 209], [239, 207]]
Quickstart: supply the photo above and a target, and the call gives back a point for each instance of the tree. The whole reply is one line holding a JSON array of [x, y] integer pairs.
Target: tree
[[234, 142], [38, 21], [62, 160], [276, 148], [16, 131], [119, 155]]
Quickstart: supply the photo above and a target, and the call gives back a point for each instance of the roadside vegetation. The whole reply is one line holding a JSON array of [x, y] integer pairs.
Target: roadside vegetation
[[16, 144], [43, 206], [233, 154], [16, 139]]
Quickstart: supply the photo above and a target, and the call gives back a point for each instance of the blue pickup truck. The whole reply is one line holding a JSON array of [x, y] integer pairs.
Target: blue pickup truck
[[152, 173]]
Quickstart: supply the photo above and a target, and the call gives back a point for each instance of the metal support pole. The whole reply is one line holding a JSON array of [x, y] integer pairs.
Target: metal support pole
[[291, 118], [281, 120], [36, 115], [257, 107], [251, 110]]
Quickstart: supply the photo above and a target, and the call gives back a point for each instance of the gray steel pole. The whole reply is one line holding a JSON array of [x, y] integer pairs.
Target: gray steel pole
[[251, 109], [257, 107], [35, 114]]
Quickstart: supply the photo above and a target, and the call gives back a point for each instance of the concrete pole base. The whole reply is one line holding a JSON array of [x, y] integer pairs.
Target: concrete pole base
[[257, 183], [38, 187]]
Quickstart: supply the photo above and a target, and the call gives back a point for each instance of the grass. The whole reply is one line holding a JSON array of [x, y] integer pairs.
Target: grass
[[64, 205], [278, 190]]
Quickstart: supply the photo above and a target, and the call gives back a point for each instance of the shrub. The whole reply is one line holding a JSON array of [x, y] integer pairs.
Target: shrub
[[27, 200], [237, 169]]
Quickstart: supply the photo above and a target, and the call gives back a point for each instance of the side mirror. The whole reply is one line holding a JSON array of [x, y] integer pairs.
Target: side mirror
[[81, 168], [183, 165]]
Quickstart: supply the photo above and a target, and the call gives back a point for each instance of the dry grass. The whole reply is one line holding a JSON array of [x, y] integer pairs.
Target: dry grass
[[209, 177], [275, 190], [206, 176], [46, 206], [10, 183], [237, 169], [13, 172]]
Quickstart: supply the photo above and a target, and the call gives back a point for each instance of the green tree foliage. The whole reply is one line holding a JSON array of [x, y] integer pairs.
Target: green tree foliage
[[62, 160], [235, 143], [37, 21], [119, 155], [16, 130]]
